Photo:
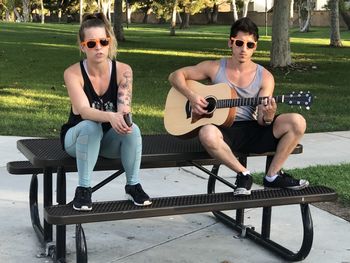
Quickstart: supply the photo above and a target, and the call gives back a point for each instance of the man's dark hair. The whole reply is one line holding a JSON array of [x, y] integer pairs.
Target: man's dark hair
[[245, 25]]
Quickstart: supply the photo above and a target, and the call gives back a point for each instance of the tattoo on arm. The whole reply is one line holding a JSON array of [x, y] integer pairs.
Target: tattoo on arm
[[124, 94]]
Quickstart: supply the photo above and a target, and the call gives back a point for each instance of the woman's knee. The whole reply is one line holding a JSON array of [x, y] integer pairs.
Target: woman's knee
[[88, 127], [136, 130]]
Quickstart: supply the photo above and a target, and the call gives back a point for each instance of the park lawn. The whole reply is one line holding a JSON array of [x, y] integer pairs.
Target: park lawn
[[33, 98]]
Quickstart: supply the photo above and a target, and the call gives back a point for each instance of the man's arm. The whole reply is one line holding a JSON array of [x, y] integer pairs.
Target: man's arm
[[267, 110], [203, 70]]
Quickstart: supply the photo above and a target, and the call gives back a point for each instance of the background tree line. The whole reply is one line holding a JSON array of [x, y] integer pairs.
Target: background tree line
[[178, 12]]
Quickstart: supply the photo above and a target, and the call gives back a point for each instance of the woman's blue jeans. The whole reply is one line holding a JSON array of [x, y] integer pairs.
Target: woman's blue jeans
[[86, 141]]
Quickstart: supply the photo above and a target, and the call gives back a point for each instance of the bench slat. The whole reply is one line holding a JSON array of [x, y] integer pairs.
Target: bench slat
[[155, 149], [159, 150], [119, 210]]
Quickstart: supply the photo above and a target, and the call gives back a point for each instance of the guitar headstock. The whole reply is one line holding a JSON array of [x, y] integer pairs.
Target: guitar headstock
[[301, 98]]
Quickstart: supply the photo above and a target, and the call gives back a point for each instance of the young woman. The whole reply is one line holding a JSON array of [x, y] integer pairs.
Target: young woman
[[100, 91]]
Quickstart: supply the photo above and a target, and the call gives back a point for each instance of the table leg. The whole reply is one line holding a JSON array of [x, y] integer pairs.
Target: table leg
[[61, 229], [47, 201]]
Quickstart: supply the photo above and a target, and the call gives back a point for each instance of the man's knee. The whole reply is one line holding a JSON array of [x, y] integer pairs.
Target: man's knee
[[299, 123], [209, 136], [289, 123]]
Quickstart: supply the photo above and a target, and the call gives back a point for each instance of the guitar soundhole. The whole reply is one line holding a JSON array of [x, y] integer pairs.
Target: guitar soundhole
[[211, 105]]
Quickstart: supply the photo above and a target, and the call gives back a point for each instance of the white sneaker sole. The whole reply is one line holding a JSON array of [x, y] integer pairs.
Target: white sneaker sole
[[241, 191], [146, 203], [304, 184], [83, 208]]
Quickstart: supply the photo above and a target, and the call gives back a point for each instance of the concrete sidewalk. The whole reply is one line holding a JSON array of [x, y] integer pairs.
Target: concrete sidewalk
[[186, 238]]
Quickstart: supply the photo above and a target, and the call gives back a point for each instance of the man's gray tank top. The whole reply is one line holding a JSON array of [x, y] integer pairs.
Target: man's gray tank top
[[243, 113]]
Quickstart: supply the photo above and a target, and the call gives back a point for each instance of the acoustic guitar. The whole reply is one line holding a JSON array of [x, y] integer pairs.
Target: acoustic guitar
[[222, 102]]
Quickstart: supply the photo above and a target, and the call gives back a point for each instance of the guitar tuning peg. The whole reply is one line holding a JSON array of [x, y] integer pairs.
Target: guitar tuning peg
[[307, 107]]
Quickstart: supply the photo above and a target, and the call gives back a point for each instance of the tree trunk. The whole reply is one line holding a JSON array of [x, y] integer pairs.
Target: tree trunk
[[346, 17], [173, 19], [26, 10], [118, 15], [185, 21], [7, 15], [335, 40], [81, 2], [305, 15], [208, 15], [234, 11], [280, 49], [291, 13], [245, 8], [128, 13], [18, 16], [42, 12], [214, 16], [145, 17]]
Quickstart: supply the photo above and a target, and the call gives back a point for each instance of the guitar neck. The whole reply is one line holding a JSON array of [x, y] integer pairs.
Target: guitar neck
[[229, 103]]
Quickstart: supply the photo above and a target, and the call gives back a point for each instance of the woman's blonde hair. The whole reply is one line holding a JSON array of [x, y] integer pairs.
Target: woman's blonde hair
[[99, 20]]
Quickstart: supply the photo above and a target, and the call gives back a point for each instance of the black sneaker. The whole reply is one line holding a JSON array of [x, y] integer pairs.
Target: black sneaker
[[244, 184], [82, 199], [136, 194], [284, 180]]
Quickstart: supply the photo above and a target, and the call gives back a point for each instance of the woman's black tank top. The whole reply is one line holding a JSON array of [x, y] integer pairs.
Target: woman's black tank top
[[106, 102]]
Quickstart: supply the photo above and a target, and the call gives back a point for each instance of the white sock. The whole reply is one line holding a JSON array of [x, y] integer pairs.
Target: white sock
[[271, 178], [246, 172]]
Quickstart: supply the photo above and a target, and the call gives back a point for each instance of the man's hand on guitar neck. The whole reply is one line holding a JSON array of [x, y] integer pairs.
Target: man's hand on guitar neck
[[269, 107]]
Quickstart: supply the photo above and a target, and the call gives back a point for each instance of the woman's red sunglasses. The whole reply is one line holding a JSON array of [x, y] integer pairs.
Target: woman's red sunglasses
[[91, 43], [240, 43]]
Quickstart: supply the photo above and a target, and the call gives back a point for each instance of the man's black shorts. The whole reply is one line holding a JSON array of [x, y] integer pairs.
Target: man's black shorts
[[249, 137]]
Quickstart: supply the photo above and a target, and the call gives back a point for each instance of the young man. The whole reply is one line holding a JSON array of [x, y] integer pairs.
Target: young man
[[255, 129]]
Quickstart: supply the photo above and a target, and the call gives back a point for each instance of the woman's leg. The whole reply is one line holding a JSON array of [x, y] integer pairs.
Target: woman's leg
[[128, 147], [83, 142]]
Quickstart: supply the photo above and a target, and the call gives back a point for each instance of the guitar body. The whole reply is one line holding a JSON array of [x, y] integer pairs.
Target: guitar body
[[179, 119]]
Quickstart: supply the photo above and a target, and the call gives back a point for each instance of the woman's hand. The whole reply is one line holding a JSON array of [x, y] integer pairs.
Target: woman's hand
[[118, 123]]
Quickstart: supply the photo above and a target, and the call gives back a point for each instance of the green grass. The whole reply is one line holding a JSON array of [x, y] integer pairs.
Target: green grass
[[33, 99], [34, 102], [336, 177]]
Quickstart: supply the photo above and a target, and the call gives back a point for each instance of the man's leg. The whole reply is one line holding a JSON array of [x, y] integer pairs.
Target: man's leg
[[289, 129], [213, 141]]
